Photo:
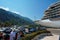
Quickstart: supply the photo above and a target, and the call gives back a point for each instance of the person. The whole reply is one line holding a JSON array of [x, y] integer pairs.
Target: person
[[6, 34], [16, 35], [20, 35], [1, 35], [12, 35]]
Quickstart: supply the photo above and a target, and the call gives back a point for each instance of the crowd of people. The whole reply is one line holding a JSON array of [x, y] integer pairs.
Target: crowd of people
[[11, 34]]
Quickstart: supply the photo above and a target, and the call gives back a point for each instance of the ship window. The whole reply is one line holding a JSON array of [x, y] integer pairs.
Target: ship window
[[55, 16], [52, 7]]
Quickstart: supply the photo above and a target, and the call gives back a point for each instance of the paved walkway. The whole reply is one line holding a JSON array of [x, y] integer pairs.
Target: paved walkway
[[41, 36], [55, 37], [46, 36]]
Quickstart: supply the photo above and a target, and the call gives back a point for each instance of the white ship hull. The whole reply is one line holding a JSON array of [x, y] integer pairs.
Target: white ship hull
[[49, 23]]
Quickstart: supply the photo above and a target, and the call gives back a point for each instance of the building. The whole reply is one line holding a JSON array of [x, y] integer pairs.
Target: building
[[53, 12]]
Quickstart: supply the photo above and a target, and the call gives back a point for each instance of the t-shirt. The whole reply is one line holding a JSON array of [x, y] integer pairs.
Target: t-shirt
[[12, 35]]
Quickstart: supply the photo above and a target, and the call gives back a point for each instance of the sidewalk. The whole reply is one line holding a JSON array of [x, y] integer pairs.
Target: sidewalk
[[41, 36], [54, 37]]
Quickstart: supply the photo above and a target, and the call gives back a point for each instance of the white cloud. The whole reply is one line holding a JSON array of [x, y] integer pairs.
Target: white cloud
[[5, 8], [15, 12]]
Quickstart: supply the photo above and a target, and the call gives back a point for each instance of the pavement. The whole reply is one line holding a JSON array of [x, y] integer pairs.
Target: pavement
[[41, 36], [54, 31], [46, 37], [54, 37]]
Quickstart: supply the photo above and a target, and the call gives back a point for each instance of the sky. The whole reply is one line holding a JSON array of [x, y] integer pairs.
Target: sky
[[33, 9]]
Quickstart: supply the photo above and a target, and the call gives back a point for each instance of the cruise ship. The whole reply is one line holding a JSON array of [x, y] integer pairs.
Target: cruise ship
[[51, 16]]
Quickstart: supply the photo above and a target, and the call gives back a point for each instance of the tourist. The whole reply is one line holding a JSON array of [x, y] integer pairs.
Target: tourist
[[20, 35], [6, 36], [7, 32], [1, 35], [12, 35]]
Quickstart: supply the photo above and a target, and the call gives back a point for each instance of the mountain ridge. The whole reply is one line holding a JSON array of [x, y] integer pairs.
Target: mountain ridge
[[8, 17]]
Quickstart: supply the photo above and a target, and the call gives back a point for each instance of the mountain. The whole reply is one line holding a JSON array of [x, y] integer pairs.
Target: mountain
[[10, 18]]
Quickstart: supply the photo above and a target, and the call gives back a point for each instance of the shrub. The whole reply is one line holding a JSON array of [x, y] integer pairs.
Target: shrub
[[32, 35]]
